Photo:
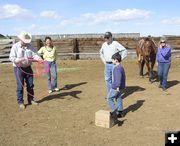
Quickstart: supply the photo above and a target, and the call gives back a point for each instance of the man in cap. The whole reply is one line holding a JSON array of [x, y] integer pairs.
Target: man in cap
[[108, 49], [22, 55]]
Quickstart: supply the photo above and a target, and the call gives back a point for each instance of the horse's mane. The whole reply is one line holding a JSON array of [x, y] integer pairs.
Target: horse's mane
[[147, 39], [150, 43]]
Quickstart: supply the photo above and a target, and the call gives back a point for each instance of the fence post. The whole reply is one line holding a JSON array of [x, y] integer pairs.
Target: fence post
[[39, 43], [75, 48]]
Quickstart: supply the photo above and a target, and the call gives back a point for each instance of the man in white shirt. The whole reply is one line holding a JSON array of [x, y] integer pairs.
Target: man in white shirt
[[109, 48], [22, 55]]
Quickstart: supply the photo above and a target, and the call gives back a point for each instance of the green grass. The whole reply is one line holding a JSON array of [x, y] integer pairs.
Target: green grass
[[68, 69]]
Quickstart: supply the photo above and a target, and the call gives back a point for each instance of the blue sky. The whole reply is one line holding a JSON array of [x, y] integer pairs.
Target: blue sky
[[146, 17]]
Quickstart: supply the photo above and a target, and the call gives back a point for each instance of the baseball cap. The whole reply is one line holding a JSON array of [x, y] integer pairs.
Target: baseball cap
[[163, 39], [108, 35]]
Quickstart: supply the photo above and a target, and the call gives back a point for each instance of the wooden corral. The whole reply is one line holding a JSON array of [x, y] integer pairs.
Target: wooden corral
[[84, 48]]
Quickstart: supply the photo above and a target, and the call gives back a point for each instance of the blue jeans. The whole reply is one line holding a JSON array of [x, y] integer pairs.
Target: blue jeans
[[24, 74], [115, 96], [163, 69], [108, 75], [51, 69]]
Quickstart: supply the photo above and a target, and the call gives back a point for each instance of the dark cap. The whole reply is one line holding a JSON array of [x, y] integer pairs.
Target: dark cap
[[108, 35]]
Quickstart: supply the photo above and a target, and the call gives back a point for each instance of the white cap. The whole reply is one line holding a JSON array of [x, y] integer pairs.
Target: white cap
[[163, 39]]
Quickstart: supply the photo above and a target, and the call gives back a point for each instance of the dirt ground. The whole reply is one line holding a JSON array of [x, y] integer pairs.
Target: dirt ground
[[67, 118]]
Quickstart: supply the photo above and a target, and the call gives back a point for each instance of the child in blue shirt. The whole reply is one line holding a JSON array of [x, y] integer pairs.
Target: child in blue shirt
[[118, 83]]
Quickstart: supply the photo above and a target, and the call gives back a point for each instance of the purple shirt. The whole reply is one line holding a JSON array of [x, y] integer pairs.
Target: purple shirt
[[163, 55], [119, 77]]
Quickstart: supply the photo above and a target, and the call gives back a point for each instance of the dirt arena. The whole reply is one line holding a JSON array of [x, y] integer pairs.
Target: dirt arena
[[67, 118]]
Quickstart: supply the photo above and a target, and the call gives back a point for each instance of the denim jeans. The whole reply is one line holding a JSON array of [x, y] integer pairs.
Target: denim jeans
[[24, 74], [115, 100], [163, 69], [51, 69], [108, 75]]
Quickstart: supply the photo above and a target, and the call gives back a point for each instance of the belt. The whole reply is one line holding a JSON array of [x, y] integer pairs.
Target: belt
[[109, 62]]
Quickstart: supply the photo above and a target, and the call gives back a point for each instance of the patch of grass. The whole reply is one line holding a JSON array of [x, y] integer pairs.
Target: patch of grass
[[68, 69]]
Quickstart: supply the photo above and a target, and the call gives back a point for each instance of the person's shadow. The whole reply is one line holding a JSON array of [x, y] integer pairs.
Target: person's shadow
[[61, 94], [133, 107], [172, 83], [120, 122], [130, 90], [70, 86]]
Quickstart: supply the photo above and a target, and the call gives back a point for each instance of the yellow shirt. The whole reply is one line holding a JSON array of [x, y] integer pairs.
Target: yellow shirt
[[49, 54]]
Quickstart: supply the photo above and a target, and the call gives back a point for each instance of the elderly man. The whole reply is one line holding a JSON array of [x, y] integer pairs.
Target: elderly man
[[22, 54], [109, 48]]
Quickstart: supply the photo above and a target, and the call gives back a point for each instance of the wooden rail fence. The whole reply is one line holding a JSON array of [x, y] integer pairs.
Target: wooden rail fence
[[83, 48]]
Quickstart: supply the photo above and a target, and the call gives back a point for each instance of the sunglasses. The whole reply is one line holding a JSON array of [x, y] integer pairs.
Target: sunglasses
[[162, 42], [106, 37]]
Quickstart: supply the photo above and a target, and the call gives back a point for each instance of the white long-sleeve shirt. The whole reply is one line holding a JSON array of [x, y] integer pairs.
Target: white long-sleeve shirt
[[107, 50], [23, 56]]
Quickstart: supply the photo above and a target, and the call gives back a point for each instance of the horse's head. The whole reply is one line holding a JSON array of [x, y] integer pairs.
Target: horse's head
[[149, 48]]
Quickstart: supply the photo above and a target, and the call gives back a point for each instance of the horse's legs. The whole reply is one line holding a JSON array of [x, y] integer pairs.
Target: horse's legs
[[149, 70], [139, 61], [153, 59], [141, 64]]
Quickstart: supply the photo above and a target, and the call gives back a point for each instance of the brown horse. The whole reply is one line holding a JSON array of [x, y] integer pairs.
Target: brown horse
[[146, 52]]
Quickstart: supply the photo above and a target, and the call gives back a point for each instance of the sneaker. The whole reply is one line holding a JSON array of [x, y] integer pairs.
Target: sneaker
[[56, 89], [34, 102], [160, 86], [50, 91], [22, 106], [164, 89], [113, 115], [120, 114]]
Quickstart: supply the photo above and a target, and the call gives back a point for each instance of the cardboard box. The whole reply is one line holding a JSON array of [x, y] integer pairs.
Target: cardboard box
[[104, 119]]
